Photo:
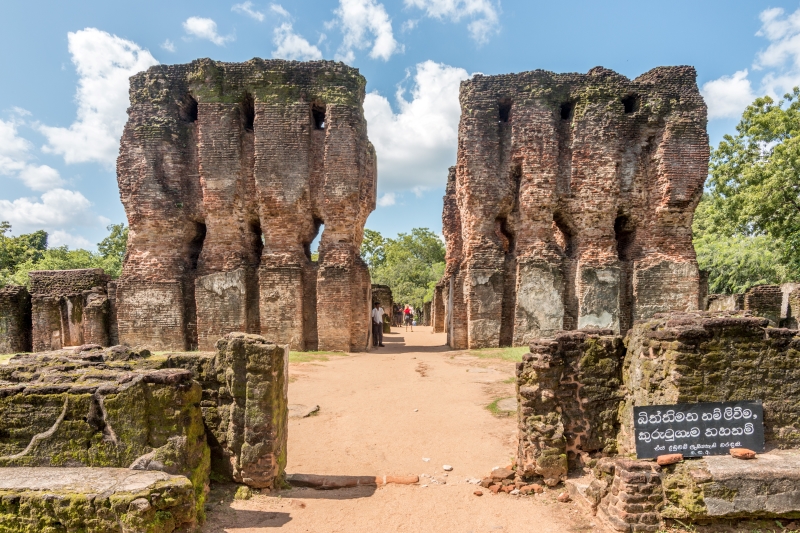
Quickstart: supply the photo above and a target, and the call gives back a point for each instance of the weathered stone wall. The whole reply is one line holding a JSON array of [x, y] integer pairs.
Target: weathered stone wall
[[70, 308], [15, 319], [714, 357], [438, 308], [569, 392], [571, 203], [73, 408], [227, 172], [765, 301], [793, 309], [183, 413], [725, 302]]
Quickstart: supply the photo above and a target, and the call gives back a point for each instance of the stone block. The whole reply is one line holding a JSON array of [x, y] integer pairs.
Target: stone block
[[151, 314], [766, 487], [73, 500], [222, 306], [599, 298], [15, 319], [540, 301], [713, 357]]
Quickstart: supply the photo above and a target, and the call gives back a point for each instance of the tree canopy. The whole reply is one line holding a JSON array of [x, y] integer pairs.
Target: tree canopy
[[747, 226], [411, 264], [19, 255]]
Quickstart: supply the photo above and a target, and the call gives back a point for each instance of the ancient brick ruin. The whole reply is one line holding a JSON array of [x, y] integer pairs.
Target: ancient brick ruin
[[227, 172], [576, 394], [571, 203]]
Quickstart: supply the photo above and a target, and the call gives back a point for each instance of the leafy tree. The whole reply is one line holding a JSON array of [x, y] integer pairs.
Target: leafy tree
[[747, 227], [22, 254], [115, 244], [410, 264]]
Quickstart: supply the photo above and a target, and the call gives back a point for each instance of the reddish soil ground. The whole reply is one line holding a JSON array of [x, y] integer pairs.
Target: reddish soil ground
[[384, 413]]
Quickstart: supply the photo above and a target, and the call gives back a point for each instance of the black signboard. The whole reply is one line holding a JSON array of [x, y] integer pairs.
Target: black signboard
[[698, 429]]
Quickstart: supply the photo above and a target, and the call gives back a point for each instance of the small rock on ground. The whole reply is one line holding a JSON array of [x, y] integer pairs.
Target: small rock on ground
[[743, 453], [297, 410]]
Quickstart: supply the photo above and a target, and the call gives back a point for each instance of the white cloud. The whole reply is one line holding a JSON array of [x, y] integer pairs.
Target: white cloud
[[104, 63], [278, 9], [387, 199], [15, 157], [246, 8], [417, 145], [63, 238], [293, 46], [41, 178], [168, 45], [56, 210], [484, 19], [365, 24], [409, 25], [728, 96], [205, 28]]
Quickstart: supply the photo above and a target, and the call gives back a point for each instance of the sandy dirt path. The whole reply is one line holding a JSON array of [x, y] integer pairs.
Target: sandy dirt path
[[384, 413]]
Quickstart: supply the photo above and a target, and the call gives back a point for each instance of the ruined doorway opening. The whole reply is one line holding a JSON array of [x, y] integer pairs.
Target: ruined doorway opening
[[310, 274], [248, 112], [631, 103], [318, 116], [509, 303], [194, 249], [187, 108]]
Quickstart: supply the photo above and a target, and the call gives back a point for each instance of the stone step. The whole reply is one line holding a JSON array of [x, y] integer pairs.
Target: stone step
[[94, 500]]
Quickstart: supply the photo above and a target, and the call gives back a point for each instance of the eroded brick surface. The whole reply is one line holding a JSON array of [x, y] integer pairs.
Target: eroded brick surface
[[227, 172], [571, 203]]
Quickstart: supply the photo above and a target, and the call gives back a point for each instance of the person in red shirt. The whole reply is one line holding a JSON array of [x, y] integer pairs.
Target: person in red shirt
[[409, 318]]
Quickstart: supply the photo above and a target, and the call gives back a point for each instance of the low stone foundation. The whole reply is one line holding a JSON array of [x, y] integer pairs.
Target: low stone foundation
[[182, 414], [108, 500]]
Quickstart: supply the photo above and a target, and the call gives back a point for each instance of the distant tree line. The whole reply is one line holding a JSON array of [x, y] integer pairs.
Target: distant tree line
[[23, 253], [411, 264], [747, 226]]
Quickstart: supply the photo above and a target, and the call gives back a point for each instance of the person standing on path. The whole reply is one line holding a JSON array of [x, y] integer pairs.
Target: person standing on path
[[377, 325], [409, 315]]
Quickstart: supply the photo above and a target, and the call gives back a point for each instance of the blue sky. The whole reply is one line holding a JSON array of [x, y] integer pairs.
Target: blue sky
[[65, 65]]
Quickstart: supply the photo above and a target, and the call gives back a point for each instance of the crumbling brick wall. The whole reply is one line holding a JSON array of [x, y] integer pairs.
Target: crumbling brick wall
[[227, 172], [15, 319], [765, 301], [569, 392], [571, 203], [438, 308], [69, 308], [724, 302], [714, 357]]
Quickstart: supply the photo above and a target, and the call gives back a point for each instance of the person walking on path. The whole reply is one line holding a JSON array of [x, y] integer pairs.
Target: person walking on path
[[409, 316], [377, 325]]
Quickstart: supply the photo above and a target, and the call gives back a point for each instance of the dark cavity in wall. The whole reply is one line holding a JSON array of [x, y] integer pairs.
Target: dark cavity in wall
[[248, 112], [187, 108], [251, 280], [506, 235], [318, 115], [564, 236], [504, 110], [567, 110], [625, 235], [194, 250], [631, 103]]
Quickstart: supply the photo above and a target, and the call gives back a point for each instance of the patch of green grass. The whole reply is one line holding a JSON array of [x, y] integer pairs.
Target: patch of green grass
[[495, 409], [506, 354], [4, 357], [307, 357], [512, 379]]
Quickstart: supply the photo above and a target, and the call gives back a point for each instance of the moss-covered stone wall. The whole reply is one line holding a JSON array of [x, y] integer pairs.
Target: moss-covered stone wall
[[569, 392], [714, 357]]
